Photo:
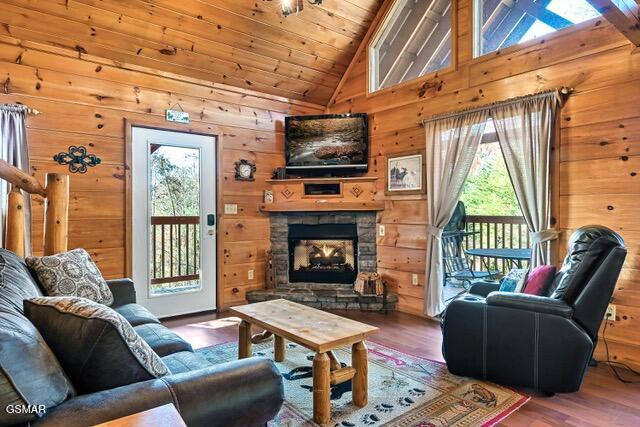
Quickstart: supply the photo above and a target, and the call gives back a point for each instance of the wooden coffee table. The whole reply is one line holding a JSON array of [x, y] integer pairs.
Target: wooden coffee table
[[318, 331]]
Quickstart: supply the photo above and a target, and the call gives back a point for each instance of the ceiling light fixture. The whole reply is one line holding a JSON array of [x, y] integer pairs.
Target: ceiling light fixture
[[293, 7]]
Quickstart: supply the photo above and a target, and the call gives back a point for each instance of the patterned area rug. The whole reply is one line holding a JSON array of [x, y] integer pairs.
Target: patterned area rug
[[404, 390]]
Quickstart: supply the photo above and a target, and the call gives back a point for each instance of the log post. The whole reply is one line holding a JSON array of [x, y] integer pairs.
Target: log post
[[321, 389], [279, 349], [56, 221], [244, 340], [20, 179], [14, 237], [360, 382]]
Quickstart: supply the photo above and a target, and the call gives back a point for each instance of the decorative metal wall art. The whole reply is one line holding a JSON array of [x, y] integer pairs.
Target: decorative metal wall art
[[77, 158]]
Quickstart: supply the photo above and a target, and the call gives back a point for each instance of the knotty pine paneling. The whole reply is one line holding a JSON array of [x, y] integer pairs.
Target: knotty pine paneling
[[599, 148], [84, 101], [244, 43]]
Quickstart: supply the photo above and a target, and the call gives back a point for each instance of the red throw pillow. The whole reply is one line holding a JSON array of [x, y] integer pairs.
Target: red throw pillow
[[539, 280]]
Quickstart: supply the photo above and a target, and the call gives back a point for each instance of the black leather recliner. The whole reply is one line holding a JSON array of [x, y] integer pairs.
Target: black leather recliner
[[543, 342]]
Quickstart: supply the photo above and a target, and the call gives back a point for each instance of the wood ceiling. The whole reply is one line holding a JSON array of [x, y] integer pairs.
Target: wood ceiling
[[242, 43]]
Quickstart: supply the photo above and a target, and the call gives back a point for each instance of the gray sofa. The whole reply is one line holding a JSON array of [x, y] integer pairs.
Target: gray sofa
[[246, 392]]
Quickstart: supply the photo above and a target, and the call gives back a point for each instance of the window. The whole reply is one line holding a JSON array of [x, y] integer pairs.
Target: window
[[504, 23], [414, 39], [488, 190]]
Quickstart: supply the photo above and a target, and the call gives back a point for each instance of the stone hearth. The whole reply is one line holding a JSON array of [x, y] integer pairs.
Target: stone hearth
[[323, 295]]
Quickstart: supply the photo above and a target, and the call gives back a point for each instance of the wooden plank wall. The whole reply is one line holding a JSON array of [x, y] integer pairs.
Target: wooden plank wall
[[243, 43], [599, 148], [84, 101]]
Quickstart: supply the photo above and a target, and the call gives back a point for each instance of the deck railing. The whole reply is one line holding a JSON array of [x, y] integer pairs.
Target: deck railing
[[175, 246], [496, 232]]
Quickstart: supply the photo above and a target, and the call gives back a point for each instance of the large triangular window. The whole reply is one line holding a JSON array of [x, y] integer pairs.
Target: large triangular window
[[413, 40]]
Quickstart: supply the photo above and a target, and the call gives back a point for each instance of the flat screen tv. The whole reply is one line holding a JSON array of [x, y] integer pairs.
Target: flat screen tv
[[327, 142]]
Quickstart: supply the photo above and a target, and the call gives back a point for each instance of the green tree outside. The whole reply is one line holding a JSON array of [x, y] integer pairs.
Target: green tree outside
[[488, 190]]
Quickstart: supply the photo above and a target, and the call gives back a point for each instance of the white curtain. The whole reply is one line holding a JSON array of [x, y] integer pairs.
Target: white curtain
[[452, 143], [525, 131], [13, 149]]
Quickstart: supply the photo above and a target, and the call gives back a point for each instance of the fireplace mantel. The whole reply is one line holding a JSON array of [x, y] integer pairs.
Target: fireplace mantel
[[306, 195], [322, 206]]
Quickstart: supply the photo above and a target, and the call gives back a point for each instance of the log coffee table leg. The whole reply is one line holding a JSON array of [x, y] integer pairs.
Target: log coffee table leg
[[244, 340], [321, 389], [279, 350], [360, 382]]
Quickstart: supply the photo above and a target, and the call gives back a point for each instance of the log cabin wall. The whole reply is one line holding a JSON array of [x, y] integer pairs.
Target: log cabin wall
[[599, 151], [84, 101], [243, 43]]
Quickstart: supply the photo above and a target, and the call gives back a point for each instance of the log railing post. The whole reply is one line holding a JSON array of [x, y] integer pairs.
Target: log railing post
[[14, 237], [56, 221]]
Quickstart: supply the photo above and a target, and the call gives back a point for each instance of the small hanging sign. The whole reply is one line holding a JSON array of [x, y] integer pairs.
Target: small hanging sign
[[178, 116]]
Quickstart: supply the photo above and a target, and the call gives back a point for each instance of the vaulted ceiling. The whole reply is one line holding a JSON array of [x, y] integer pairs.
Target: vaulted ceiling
[[242, 43]]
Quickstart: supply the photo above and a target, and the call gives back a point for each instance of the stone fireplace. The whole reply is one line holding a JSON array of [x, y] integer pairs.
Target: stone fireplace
[[317, 256], [326, 227]]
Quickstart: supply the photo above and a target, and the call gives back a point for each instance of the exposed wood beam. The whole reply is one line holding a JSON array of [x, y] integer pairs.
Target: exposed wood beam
[[405, 29], [438, 43], [500, 24], [427, 28], [623, 14], [508, 22], [540, 11]]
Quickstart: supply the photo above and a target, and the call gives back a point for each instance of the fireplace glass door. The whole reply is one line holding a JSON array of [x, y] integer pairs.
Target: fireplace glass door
[[320, 254]]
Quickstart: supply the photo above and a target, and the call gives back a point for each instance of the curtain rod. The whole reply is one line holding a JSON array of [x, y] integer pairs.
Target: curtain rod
[[560, 94], [19, 107]]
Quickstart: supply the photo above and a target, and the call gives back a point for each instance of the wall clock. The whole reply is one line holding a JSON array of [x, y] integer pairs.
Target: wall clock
[[245, 170]]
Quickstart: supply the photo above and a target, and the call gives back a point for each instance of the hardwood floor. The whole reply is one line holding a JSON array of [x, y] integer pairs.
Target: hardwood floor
[[602, 400]]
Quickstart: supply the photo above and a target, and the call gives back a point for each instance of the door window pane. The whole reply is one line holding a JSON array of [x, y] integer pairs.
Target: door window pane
[[506, 23], [414, 39], [174, 203]]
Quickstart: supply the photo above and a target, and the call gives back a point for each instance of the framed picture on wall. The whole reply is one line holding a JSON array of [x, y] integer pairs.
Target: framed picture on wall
[[405, 173]]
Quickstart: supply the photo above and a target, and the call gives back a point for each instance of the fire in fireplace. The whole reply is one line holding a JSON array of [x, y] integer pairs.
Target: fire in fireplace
[[323, 253]]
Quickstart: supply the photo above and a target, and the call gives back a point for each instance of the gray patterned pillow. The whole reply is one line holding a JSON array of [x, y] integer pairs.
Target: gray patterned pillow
[[96, 346], [72, 274]]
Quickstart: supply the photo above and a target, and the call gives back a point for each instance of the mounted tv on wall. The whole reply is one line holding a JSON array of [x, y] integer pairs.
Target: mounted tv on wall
[[331, 143]]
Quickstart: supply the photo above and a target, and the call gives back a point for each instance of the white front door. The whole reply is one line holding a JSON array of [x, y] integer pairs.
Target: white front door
[[174, 213]]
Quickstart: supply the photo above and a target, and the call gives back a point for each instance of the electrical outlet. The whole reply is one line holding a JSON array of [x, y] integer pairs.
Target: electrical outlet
[[381, 230], [610, 314], [231, 209], [250, 274], [414, 279]]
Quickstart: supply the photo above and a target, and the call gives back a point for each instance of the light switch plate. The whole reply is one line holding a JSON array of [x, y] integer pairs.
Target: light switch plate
[[414, 279], [381, 230], [230, 209], [250, 275]]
